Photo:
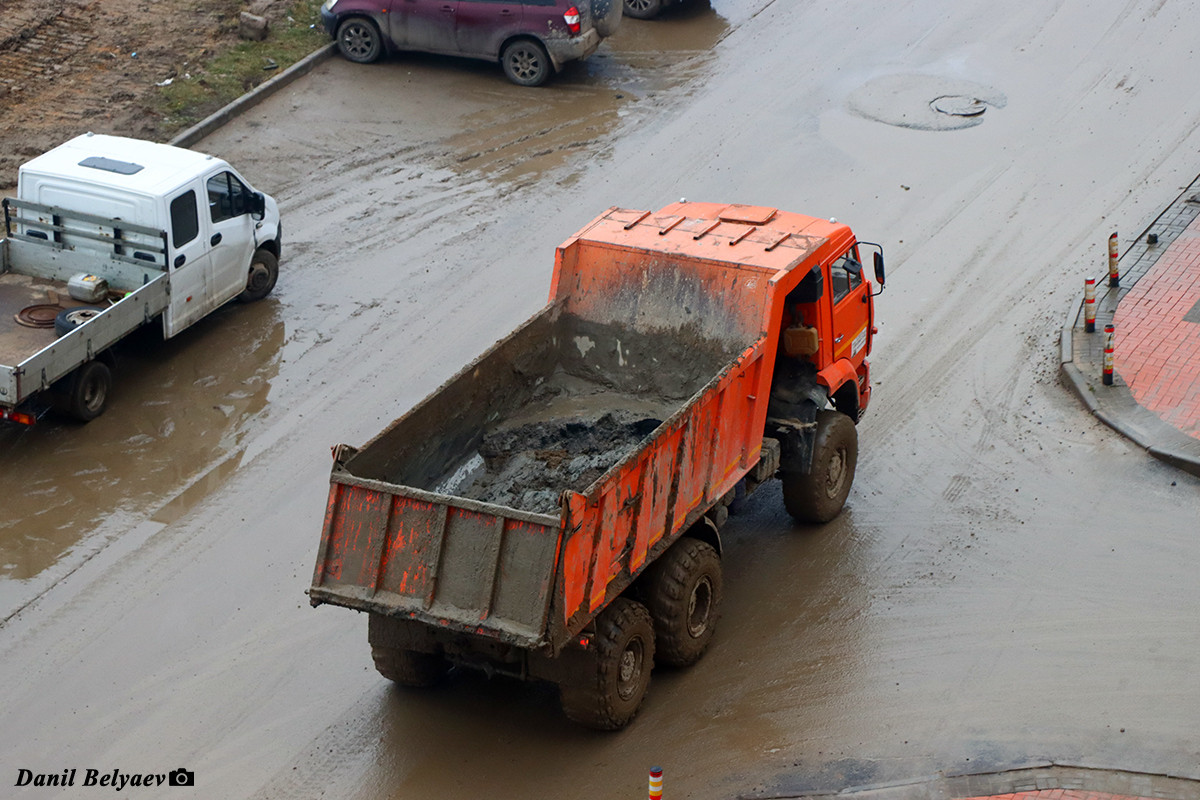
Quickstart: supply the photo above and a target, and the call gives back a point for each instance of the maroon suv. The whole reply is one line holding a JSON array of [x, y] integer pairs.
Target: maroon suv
[[530, 38]]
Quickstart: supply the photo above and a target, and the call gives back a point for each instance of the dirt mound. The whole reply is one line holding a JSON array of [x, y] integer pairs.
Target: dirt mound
[[528, 466]]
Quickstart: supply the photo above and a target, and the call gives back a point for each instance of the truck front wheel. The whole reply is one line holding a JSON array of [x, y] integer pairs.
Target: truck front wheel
[[260, 280], [683, 594], [89, 392], [820, 495], [408, 667], [608, 692]]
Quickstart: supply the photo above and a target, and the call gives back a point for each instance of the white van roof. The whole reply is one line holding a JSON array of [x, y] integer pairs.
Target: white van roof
[[130, 164]]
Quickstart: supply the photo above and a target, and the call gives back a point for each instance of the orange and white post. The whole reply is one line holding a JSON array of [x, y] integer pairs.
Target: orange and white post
[[1109, 336], [1114, 276], [656, 783], [1089, 305]]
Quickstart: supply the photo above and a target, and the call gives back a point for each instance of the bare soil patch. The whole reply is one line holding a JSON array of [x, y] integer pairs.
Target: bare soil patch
[[72, 66]]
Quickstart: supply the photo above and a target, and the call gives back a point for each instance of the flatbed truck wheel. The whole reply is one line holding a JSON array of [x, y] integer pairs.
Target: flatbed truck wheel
[[607, 693], [683, 595], [407, 667], [819, 496], [261, 277], [89, 391]]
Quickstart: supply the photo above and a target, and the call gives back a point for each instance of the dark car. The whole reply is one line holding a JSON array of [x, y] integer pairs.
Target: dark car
[[531, 38]]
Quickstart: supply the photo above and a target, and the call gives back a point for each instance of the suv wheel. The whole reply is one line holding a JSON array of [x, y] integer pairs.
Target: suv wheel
[[526, 63], [359, 40], [642, 9]]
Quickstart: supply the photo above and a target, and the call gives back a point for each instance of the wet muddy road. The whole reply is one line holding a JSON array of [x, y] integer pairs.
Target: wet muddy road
[[1010, 581]]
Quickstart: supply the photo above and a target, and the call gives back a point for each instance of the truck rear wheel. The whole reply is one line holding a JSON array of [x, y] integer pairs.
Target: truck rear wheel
[[89, 390], [408, 667], [820, 495], [609, 692], [683, 595]]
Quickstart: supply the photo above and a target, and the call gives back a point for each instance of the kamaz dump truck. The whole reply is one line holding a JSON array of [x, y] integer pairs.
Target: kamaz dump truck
[[553, 511]]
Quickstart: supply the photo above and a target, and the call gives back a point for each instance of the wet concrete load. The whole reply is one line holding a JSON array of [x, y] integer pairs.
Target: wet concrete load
[[549, 409]]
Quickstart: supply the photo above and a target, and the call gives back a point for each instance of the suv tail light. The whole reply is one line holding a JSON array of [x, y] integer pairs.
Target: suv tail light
[[572, 20]]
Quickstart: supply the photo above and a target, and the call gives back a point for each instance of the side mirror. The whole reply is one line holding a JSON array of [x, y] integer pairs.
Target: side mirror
[[879, 269], [258, 207]]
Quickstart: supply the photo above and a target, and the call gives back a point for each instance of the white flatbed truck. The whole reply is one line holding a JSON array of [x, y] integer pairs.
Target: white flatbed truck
[[108, 234]]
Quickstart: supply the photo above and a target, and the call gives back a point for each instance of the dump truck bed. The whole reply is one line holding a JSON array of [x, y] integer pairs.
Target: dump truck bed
[[493, 506]]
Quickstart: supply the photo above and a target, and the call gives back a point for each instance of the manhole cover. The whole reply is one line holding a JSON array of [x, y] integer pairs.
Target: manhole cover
[[957, 105], [40, 316]]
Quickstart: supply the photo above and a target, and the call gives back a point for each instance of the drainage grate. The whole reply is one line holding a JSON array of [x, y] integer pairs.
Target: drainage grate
[[958, 105]]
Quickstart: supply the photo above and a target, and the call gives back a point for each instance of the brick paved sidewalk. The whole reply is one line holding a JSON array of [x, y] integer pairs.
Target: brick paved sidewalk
[[1155, 399], [1158, 335]]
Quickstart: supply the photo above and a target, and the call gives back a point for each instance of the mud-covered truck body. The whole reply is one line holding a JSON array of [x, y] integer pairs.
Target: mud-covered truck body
[[107, 234], [553, 510]]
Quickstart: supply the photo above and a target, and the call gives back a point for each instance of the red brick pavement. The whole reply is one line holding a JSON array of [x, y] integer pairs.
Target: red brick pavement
[[1058, 794], [1157, 352]]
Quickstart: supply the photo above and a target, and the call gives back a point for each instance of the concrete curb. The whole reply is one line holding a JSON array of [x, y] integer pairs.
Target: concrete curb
[[253, 97], [1032, 776], [1079, 372]]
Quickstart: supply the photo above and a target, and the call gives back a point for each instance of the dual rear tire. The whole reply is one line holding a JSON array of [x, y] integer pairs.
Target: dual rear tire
[[682, 592]]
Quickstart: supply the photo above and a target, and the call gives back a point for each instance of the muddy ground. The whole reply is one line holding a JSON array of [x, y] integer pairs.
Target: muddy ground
[[1010, 582], [72, 66]]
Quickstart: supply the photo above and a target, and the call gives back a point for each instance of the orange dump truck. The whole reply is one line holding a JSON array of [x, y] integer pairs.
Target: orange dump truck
[[553, 511]]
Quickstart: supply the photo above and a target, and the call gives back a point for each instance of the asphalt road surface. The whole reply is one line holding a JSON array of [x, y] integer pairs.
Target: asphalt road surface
[[1010, 580]]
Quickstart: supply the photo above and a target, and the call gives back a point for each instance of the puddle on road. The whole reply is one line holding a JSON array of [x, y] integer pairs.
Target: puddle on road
[[177, 406], [533, 132]]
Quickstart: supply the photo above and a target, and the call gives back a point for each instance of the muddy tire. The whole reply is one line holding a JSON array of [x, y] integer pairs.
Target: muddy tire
[[409, 668], [89, 390], [643, 9], [608, 693], [261, 277], [526, 63], [358, 40], [820, 495], [683, 595]]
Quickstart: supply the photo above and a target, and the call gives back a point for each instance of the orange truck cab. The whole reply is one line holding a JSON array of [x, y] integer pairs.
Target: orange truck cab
[[553, 511]]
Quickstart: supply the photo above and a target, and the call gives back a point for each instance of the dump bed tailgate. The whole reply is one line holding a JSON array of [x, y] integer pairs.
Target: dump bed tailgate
[[444, 560]]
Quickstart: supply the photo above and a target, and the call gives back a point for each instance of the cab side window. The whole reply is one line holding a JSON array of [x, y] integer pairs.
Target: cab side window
[[845, 274], [227, 197], [185, 224]]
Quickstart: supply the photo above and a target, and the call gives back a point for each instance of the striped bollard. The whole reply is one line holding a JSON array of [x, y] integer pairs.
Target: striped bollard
[[1089, 305], [1109, 336], [656, 783], [1114, 276]]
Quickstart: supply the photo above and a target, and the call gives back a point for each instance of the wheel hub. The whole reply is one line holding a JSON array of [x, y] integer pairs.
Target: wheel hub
[[699, 607], [837, 472], [630, 669], [259, 275]]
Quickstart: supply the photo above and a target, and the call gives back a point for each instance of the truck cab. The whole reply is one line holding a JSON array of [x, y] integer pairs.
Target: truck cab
[[215, 221]]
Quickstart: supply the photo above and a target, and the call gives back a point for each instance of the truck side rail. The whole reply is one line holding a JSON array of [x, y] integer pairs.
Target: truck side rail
[[56, 360], [644, 503], [50, 227]]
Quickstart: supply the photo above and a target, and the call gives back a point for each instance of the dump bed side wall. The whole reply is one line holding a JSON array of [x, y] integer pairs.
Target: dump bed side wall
[[635, 513], [703, 451]]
